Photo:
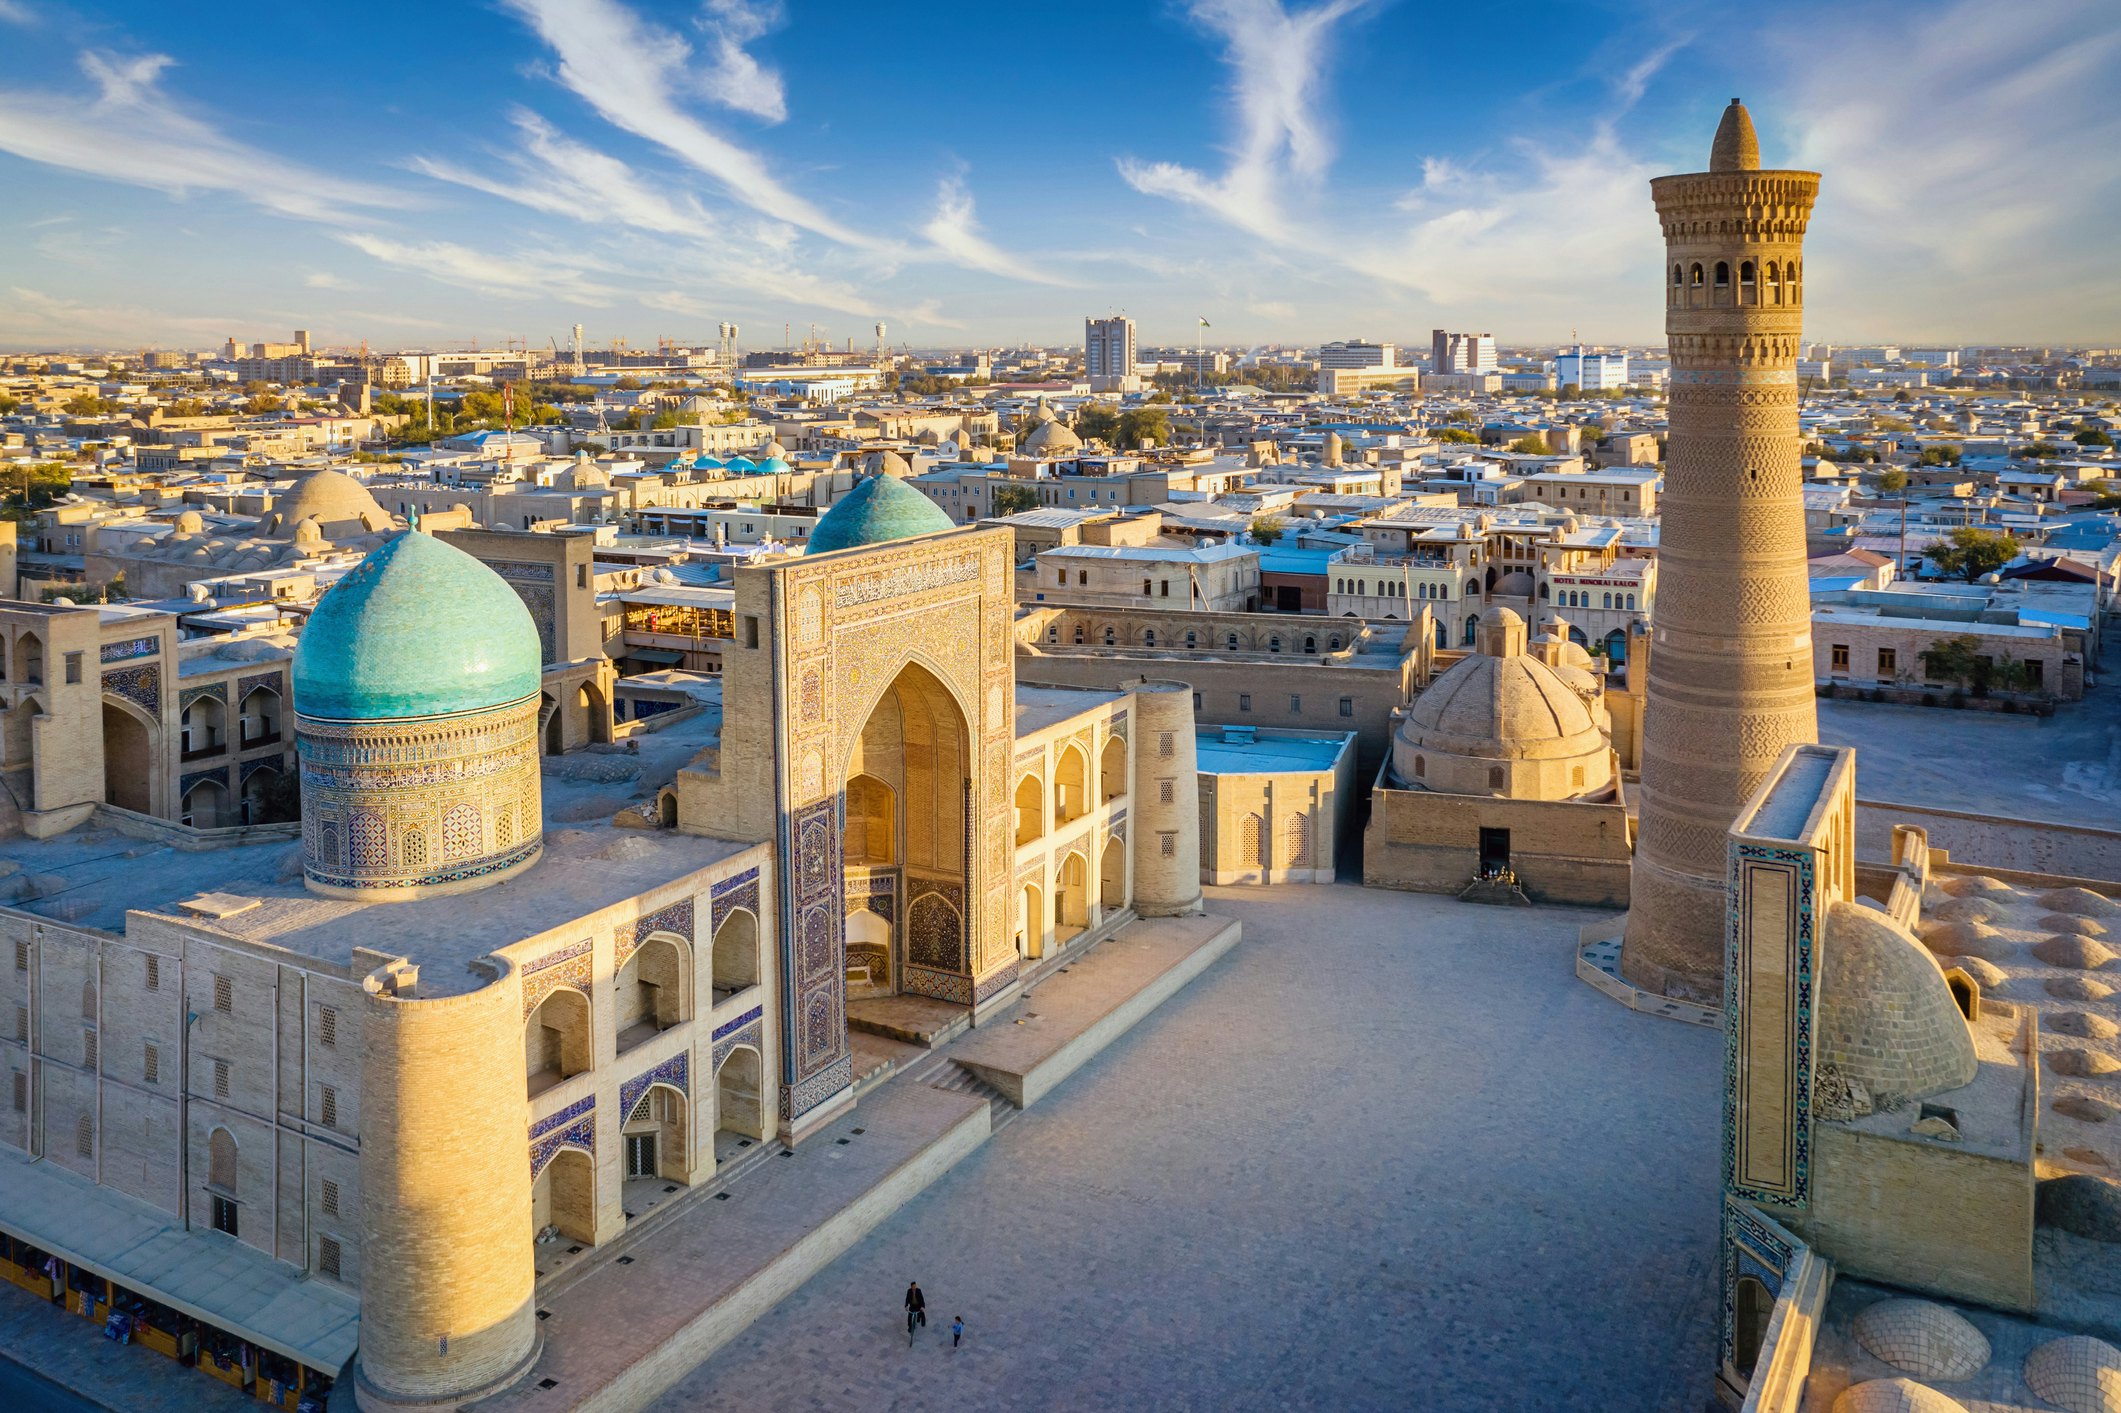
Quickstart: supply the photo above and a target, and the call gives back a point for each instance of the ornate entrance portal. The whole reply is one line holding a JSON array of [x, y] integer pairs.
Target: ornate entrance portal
[[872, 700]]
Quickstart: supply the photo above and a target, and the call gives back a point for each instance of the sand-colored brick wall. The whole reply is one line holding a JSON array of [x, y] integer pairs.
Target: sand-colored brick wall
[[1922, 1216], [1165, 883], [1563, 851], [446, 1297]]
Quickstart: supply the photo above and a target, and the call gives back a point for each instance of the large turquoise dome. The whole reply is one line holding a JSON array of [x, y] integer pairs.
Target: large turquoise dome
[[879, 510], [418, 628]]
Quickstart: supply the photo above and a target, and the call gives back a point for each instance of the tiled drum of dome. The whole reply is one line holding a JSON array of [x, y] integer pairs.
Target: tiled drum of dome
[[416, 695]]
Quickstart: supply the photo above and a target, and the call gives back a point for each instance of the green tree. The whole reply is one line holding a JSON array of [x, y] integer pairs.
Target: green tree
[[1096, 422], [1970, 552], [1892, 480], [1140, 425], [1943, 454], [8, 405], [2093, 436], [1955, 659], [2036, 450], [629, 383], [1267, 528], [1534, 444], [1012, 499], [262, 403], [1457, 435]]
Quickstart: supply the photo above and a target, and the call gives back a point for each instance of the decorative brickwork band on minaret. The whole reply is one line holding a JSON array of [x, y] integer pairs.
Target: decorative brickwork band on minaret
[[1730, 680]]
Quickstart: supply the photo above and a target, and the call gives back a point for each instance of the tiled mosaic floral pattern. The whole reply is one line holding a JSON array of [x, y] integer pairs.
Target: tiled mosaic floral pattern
[[422, 801], [673, 1072], [572, 1127], [142, 686]]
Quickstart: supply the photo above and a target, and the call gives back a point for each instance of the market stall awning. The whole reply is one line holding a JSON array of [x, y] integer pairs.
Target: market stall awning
[[205, 1274]]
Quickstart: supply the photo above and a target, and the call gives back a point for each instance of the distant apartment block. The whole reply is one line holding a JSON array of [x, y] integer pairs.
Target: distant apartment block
[[1462, 353], [1592, 372], [1108, 354], [1358, 353]]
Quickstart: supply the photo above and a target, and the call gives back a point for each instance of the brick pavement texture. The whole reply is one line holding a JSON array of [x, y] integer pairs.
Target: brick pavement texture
[[1388, 1153]]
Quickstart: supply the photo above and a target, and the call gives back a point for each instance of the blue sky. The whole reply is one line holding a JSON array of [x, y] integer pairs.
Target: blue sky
[[975, 173]]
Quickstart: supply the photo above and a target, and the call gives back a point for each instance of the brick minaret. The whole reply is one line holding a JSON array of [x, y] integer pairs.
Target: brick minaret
[[1730, 680]]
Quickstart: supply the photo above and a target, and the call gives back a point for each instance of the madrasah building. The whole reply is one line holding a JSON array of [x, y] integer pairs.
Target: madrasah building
[[460, 1015]]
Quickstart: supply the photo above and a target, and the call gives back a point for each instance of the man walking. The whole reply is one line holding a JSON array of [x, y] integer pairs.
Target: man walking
[[957, 1331], [916, 1309]]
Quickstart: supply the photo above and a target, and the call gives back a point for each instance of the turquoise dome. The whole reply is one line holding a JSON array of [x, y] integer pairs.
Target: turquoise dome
[[879, 510], [418, 628], [773, 466], [740, 463]]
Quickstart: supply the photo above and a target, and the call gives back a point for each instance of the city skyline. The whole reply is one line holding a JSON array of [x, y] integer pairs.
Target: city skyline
[[507, 171]]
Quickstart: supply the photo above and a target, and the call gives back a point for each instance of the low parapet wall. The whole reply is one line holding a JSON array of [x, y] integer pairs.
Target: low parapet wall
[[135, 825], [1785, 1360], [2028, 846]]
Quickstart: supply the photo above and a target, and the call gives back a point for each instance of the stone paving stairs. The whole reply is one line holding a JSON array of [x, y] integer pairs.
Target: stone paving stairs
[[954, 1078]]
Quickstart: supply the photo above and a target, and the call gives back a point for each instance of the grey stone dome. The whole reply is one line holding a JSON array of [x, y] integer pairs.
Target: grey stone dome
[[1886, 1017], [1054, 438], [1500, 707]]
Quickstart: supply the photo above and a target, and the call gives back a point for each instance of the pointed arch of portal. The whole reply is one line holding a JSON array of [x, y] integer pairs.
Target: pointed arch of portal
[[913, 757]]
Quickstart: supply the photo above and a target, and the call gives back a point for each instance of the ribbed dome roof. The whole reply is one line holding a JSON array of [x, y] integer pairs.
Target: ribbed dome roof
[[418, 628], [1051, 439], [1501, 704], [1886, 1017], [329, 498], [879, 510]]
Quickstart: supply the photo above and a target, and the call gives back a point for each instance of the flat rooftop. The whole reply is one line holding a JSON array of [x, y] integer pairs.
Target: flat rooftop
[[93, 877], [1040, 707], [1224, 751]]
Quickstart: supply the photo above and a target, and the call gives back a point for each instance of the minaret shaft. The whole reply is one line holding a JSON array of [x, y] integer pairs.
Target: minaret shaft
[[1730, 680]]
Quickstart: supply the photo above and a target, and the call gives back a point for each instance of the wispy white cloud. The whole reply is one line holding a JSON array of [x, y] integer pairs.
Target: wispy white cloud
[[555, 174], [15, 13], [1968, 151], [1636, 80], [130, 131], [1277, 59], [1490, 236], [955, 232], [735, 78], [35, 319], [631, 73], [324, 279], [544, 274]]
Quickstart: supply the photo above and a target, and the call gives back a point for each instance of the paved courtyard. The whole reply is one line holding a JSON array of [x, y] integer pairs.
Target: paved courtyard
[[2065, 768], [1389, 1152]]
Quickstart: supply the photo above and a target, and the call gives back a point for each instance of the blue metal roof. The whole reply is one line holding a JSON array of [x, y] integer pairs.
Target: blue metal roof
[[1275, 560]]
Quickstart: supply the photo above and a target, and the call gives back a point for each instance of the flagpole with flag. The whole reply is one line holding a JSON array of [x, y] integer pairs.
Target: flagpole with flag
[[1198, 355]]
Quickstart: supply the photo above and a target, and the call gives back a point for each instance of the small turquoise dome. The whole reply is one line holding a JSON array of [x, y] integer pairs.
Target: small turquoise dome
[[707, 463], [879, 510], [418, 628], [773, 466], [740, 463]]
